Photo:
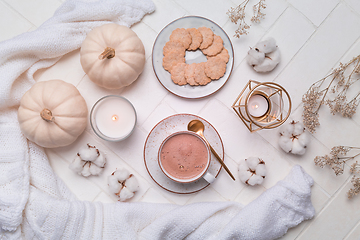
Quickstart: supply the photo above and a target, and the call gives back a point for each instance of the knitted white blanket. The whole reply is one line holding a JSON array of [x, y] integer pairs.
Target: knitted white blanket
[[34, 202]]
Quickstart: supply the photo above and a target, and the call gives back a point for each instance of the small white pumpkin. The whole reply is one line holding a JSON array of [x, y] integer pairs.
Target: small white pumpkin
[[52, 113], [112, 56]]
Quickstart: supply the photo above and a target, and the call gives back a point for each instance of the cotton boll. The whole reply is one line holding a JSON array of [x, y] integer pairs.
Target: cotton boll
[[267, 46], [297, 147], [265, 56], [304, 139], [86, 170], [261, 170], [114, 184], [123, 184], [132, 184], [89, 153], [122, 174], [77, 164], [245, 176], [286, 131], [252, 162], [125, 194], [298, 128], [275, 56], [293, 138], [88, 161], [252, 171], [94, 169], [285, 144], [255, 179], [255, 57], [100, 160], [243, 165], [269, 63]]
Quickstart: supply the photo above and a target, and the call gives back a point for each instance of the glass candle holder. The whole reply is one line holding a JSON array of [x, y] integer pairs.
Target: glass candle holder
[[113, 118], [262, 105]]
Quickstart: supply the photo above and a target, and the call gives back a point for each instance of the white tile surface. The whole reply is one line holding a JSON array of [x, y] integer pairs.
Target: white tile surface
[[336, 219], [313, 36], [19, 24], [325, 52], [311, 9], [35, 11]]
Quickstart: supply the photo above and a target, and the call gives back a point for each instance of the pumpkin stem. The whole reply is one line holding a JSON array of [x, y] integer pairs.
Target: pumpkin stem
[[46, 114], [107, 53]]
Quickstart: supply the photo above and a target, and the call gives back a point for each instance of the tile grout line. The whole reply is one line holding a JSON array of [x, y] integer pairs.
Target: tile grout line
[[350, 7], [19, 14], [352, 230]]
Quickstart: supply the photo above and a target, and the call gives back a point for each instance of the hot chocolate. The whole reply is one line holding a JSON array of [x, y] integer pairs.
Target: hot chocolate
[[184, 156]]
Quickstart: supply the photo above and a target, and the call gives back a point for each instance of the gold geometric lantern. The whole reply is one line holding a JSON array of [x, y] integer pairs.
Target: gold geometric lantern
[[264, 105]]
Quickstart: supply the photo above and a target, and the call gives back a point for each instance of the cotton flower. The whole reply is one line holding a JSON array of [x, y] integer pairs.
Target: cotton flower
[[88, 161], [264, 56], [252, 171], [294, 138], [123, 184]]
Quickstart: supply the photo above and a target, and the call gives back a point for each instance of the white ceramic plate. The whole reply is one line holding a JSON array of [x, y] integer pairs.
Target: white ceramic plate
[[163, 129], [163, 76]]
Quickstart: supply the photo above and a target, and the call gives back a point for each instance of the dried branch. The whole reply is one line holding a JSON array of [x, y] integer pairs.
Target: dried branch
[[337, 159], [237, 14], [339, 84]]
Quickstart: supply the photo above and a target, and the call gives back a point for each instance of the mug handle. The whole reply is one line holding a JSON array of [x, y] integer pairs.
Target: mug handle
[[209, 177]]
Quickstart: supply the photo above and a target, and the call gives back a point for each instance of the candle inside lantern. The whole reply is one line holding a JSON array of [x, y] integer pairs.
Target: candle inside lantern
[[257, 105], [113, 118]]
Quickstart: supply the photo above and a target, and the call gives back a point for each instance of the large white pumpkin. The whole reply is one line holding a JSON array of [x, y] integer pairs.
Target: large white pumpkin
[[112, 55], [52, 113]]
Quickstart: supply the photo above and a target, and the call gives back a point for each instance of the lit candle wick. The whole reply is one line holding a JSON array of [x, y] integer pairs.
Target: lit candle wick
[[257, 105], [114, 117]]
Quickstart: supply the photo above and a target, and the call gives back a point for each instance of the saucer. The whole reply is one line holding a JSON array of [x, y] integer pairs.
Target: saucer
[[164, 128], [164, 77]]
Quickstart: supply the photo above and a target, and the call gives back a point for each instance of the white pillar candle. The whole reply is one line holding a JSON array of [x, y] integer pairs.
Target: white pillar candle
[[257, 105], [113, 118]]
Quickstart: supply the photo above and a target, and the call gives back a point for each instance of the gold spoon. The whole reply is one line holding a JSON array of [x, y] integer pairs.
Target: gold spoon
[[198, 127]]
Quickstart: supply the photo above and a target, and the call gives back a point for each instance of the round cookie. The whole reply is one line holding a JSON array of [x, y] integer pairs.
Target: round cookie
[[215, 47], [190, 74], [224, 55], [181, 35], [178, 74], [171, 59], [208, 37], [174, 46], [215, 68], [196, 38], [200, 76]]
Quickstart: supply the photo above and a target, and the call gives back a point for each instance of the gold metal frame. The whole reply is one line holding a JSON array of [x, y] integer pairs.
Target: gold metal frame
[[269, 120]]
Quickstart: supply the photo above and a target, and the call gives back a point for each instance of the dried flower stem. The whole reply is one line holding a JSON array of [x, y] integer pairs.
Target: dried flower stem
[[336, 160], [314, 98], [237, 14]]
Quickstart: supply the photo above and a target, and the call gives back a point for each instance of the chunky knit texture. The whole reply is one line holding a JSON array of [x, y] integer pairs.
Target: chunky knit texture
[[20, 58], [35, 203]]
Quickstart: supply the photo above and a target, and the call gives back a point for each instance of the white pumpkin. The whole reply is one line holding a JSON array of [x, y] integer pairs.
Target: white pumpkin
[[52, 113], [112, 56]]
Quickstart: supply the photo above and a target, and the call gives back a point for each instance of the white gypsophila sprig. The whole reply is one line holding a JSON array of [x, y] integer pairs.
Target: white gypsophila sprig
[[339, 81], [237, 16], [337, 159]]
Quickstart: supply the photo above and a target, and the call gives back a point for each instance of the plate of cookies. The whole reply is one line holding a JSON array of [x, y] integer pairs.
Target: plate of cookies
[[192, 57]]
